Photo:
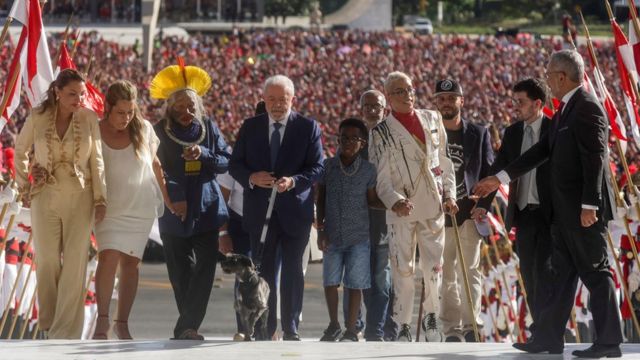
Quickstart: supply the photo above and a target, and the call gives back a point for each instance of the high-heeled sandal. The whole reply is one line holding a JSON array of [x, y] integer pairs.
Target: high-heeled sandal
[[122, 334], [102, 328]]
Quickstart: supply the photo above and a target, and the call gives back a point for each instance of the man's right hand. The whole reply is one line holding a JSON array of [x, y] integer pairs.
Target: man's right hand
[[486, 186], [323, 241], [180, 209], [262, 179]]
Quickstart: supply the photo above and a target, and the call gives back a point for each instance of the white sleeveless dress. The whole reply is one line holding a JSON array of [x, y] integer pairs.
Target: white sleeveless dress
[[134, 200]]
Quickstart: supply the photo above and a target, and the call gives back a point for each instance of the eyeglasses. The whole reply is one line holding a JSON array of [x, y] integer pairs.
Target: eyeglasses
[[374, 107], [350, 140], [547, 73], [404, 92]]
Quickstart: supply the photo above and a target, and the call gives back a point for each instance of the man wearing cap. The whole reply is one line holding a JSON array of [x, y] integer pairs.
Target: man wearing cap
[[472, 155], [416, 182]]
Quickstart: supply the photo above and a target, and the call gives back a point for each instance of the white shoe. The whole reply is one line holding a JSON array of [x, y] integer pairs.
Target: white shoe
[[432, 331]]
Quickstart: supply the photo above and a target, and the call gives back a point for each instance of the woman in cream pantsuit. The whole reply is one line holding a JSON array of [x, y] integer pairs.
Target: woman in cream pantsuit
[[69, 184]]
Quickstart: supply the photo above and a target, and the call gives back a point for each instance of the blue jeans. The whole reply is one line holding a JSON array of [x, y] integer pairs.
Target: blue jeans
[[376, 298]]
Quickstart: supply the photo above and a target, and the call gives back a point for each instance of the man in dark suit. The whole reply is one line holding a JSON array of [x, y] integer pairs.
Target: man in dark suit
[[576, 148], [471, 153], [529, 206], [283, 149]]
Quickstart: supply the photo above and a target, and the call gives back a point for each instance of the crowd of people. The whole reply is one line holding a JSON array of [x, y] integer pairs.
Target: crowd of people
[[329, 70], [416, 164]]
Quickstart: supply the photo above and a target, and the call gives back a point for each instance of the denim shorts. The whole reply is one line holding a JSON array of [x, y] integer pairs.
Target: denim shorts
[[348, 264]]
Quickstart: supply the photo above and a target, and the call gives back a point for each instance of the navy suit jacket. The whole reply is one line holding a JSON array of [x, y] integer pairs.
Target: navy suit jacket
[[300, 157], [478, 157]]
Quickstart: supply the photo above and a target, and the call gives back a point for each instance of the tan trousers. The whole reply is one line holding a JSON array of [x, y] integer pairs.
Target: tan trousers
[[61, 223], [455, 314], [428, 237]]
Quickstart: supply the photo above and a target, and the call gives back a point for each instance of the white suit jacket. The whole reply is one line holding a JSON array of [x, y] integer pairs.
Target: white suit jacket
[[406, 170]]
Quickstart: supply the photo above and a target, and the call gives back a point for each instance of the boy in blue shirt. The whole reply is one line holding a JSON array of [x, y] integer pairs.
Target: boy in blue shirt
[[345, 192]]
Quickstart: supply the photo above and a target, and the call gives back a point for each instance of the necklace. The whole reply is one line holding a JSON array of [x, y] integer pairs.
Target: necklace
[[185, 144], [356, 166]]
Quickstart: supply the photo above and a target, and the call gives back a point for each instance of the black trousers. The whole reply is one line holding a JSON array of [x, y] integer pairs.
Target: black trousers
[[191, 281], [579, 253], [282, 251], [533, 244]]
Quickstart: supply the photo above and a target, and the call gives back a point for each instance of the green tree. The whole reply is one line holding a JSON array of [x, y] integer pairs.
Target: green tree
[[286, 8]]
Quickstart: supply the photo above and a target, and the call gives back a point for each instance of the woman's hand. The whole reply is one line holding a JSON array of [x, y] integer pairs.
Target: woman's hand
[[180, 209], [100, 212]]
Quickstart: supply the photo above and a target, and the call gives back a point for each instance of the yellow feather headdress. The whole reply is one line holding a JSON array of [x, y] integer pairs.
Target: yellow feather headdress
[[179, 77]]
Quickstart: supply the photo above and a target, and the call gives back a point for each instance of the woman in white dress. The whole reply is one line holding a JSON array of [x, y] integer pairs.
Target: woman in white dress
[[134, 182]]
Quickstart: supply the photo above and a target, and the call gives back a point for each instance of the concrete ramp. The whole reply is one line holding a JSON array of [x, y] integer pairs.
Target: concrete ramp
[[363, 14], [308, 349]]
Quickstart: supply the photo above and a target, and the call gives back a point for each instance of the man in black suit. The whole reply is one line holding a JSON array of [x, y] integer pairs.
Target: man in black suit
[[472, 155], [529, 207], [576, 148]]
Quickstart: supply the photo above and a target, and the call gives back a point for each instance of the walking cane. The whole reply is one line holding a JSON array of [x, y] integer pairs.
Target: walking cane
[[420, 310], [15, 284], [575, 324], [21, 299], [265, 226], [467, 289]]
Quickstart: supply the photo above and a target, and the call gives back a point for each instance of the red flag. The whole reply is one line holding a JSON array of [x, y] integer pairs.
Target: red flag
[[65, 61], [622, 45], [94, 99]]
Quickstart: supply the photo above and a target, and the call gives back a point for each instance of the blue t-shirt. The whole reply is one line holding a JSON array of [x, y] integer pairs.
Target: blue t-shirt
[[346, 218]]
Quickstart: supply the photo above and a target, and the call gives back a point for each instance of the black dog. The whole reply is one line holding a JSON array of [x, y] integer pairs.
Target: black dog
[[251, 296]]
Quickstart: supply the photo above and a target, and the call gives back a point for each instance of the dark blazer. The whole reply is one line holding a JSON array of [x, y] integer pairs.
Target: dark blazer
[[576, 147], [509, 151], [478, 157], [300, 156], [206, 208]]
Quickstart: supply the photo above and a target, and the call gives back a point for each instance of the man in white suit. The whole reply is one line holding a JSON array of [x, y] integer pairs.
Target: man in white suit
[[416, 182]]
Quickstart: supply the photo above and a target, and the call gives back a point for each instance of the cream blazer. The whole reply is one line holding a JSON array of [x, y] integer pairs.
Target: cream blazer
[[406, 170], [88, 167]]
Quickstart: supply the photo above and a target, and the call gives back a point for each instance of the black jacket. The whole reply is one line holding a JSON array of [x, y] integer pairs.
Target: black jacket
[[509, 151], [576, 147]]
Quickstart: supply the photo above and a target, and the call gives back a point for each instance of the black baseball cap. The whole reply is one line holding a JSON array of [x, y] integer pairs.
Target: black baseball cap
[[448, 86]]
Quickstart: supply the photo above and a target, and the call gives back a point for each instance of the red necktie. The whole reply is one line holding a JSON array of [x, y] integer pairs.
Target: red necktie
[[559, 111]]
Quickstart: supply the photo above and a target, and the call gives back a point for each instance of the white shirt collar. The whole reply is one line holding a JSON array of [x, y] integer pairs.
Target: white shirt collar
[[536, 125], [567, 96], [283, 121]]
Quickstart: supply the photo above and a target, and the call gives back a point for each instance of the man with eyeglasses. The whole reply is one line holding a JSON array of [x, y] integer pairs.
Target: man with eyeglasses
[[471, 153], [529, 206], [416, 183], [379, 324], [577, 150]]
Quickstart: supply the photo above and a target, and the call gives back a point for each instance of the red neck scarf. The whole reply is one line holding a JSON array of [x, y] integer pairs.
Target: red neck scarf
[[411, 122]]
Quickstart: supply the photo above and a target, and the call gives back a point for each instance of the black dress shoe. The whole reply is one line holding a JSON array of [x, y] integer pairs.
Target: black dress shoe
[[534, 348], [597, 351], [291, 337]]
